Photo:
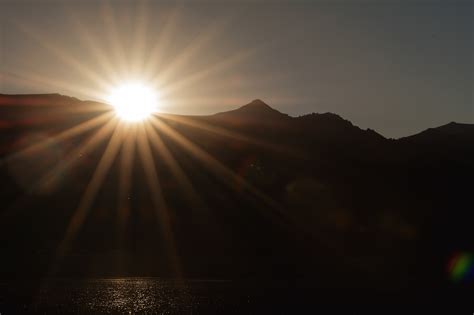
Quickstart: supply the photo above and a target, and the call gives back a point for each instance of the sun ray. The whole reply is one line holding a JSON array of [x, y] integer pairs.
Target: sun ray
[[114, 39], [82, 150], [125, 174], [35, 80], [188, 53], [160, 207], [66, 134], [171, 162], [82, 211], [155, 57], [238, 57], [196, 105], [232, 134], [51, 176], [92, 43], [226, 174], [66, 57], [140, 36]]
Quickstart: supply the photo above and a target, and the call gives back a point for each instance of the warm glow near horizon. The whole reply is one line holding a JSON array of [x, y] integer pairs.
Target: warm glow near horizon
[[133, 101]]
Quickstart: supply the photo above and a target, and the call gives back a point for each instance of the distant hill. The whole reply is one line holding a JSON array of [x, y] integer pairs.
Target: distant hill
[[449, 134], [249, 193], [452, 129], [254, 112]]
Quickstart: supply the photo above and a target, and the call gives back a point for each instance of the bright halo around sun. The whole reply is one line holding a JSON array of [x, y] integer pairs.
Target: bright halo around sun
[[133, 101]]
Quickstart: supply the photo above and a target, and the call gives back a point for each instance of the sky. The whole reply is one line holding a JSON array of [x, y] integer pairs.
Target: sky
[[398, 67]]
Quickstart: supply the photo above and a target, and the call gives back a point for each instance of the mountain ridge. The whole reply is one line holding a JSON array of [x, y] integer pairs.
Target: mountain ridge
[[254, 112]]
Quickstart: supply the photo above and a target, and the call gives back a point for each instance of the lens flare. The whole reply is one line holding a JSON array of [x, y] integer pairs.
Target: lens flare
[[461, 267]]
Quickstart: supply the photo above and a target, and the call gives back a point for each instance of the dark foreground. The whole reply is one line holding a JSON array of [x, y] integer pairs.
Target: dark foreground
[[158, 296]]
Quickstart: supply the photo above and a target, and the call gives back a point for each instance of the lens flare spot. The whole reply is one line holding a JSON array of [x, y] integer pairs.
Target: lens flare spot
[[461, 267]]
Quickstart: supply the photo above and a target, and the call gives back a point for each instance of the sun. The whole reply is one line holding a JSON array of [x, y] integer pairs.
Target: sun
[[133, 101]]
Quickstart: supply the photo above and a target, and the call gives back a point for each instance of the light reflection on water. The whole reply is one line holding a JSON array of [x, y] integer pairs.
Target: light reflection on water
[[160, 296], [126, 296]]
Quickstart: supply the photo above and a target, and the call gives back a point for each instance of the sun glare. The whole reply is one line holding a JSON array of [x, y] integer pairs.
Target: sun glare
[[133, 101]]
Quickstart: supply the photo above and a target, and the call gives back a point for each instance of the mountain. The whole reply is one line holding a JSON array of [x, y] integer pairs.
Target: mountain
[[453, 130], [245, 194], [255, 111], [36, 99], [39, 109], [453, 136]]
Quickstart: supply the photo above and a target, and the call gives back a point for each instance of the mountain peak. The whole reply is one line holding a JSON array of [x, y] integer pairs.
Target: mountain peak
[[258, 102], [448, 132], [257, 105], [455, 128], [256, 111]]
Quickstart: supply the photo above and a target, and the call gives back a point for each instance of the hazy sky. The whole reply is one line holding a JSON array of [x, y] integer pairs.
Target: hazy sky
[[394, 66]]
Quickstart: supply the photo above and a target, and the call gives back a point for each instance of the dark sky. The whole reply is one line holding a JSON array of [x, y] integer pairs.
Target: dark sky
[[394, 66]]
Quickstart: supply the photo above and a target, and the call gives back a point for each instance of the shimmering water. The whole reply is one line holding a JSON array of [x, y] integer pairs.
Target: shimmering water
[[122, 296], [160, 296]]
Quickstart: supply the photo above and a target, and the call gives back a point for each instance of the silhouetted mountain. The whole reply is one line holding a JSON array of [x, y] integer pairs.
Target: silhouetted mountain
[[452, 134], [52, 99], [254, 109], [249, 193], [256, 112], [332, 123], [452, 129]]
